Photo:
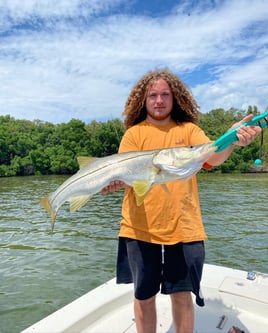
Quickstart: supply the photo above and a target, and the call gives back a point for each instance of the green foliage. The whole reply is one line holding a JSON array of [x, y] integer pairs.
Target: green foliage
[[105, 137], [29, 148]]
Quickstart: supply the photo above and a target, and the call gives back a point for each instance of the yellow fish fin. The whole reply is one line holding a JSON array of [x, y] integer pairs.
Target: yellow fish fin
[[139, 199], [78, 202], [46, 204], [84, 160], [141, 188]]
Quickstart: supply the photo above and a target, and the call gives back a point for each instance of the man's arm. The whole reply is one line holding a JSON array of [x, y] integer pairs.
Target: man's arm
[[245, 135]]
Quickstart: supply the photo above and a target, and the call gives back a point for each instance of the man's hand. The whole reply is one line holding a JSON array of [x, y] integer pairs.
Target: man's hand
[[246, 134], [114, 186]]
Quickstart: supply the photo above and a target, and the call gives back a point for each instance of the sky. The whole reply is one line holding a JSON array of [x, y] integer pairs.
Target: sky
[[79, 59]]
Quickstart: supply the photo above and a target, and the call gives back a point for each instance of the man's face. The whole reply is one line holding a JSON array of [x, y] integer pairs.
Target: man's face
[[159, 102]]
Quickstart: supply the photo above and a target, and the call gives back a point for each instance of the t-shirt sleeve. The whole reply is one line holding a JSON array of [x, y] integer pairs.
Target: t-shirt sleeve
[[128, 143], [198, 137]]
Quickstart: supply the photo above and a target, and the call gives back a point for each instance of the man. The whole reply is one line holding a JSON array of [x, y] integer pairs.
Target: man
[[161, 242]]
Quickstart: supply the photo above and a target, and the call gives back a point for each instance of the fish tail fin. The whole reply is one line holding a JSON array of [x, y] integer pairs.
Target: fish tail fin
[[46, 204]]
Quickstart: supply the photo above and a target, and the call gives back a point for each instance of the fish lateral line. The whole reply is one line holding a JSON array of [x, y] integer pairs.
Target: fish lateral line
[[93, 159]]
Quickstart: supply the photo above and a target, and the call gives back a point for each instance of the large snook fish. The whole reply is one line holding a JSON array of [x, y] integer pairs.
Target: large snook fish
[[141, 170]]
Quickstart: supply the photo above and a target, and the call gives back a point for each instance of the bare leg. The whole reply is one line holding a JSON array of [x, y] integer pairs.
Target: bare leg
[[183, 312], [145, 315]]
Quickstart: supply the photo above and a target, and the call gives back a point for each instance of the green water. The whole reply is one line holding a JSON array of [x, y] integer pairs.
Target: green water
[[40, 271]]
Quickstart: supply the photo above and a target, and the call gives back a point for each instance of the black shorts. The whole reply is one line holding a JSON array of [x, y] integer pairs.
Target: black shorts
[[171, 268]]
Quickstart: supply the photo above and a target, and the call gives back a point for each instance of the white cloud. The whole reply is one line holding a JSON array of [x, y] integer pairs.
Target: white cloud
[[17, 10], [238, 85], [81, 65]]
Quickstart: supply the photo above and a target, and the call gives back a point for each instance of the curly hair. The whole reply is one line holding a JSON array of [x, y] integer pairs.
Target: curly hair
[[185, 108]]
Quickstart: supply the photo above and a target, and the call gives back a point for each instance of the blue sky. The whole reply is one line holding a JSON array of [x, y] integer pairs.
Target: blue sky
[[79, 59]]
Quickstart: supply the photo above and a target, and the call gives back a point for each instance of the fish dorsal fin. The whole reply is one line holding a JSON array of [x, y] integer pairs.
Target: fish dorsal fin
[[84, 160], [141, 188], [78, 202]]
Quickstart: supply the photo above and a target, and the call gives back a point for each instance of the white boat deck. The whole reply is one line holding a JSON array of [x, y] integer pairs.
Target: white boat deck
[[231, 300]]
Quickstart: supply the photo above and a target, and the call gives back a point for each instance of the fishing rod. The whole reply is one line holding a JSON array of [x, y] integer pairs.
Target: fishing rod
[[230, 136]]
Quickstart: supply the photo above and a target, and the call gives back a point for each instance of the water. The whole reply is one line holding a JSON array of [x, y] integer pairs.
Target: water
[[42, 271], [235, 214]]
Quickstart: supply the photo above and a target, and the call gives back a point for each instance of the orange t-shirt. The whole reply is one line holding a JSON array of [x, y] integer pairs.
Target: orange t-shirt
[[167, 215]]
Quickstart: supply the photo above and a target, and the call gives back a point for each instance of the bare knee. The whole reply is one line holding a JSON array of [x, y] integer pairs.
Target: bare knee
[[145, 315], [149, 300], [182, 299], [145, 304], [183, 312]]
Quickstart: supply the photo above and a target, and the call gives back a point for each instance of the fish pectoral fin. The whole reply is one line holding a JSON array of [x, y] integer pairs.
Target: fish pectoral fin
[[84, 160], [139, 199], [141, 188], [78, 202]]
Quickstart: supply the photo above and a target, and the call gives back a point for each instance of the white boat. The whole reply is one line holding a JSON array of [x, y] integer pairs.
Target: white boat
[[234, 298]]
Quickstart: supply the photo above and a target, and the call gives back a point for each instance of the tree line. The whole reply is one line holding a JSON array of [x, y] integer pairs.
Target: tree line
[[42, 148]]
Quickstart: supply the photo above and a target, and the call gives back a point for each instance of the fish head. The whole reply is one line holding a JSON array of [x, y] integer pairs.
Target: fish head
[[193, 154], [180, 156], [183, 162]]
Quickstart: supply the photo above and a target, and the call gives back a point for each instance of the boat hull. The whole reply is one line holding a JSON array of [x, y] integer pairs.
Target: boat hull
[[231, 300]]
